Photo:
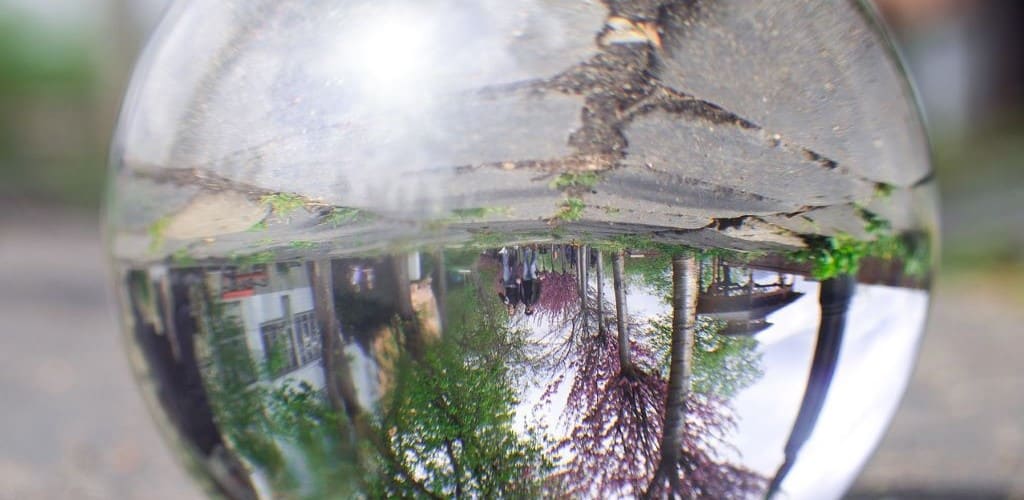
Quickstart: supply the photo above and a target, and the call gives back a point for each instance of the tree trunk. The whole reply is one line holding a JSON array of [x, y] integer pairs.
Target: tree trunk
[[685, 286], [411, 330], [341, 392], [581, 280], [621, 312], [400, 270], [439, 282], [600, 294]]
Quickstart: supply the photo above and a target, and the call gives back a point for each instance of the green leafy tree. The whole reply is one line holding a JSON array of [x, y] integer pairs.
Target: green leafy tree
[[446, 428], [723, 365], [286, 430], [841, 254], [688, 465]]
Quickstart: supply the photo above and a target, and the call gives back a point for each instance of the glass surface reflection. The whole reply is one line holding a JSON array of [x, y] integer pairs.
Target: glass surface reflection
[[616, 367], [522, 248]]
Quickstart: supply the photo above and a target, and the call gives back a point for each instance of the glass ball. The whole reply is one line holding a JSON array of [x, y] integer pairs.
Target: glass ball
[[521, 248]]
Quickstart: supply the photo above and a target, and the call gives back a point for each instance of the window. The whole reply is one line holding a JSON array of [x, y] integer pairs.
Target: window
[[307, 336], [291, 344], [278, 346]]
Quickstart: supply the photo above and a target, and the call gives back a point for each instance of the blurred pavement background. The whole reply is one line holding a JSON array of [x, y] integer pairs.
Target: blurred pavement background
[[73, 426]]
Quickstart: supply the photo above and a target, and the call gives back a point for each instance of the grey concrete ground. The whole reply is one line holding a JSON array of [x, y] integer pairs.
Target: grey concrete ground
[[960, 429], [73, 426]]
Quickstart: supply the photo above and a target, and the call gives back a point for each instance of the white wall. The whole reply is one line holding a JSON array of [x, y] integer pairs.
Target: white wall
[[265, 307]]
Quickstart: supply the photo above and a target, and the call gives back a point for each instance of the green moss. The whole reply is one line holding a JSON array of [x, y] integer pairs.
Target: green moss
[[487, 239]]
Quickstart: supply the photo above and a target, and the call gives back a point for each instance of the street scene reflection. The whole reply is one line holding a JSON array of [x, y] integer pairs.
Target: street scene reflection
[[522, 249], [534, 368]]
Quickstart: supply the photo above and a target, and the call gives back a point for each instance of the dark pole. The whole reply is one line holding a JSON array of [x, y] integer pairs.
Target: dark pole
[[834, 297]]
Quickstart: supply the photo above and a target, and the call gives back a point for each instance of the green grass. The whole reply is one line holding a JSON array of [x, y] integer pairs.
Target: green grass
[[571, 210], [303, 245], [182, 258], [558, 233], [639, 241], [339, 216], [478, 212], [488, 239], [252, 259], [283, 204], [841, 254], [883, 190], [257, 227], [157, 232], [575, 180]]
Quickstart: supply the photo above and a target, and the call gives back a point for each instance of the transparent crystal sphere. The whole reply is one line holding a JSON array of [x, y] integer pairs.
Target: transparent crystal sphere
[[521, 248]]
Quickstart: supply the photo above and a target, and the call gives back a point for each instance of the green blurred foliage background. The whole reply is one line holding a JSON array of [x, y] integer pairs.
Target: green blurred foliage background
[[52, 129]]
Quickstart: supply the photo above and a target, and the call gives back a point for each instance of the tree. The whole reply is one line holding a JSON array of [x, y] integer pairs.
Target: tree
[[687, 464], [723, 365], [600, 292], [560, 299], [621, 311], [633, 431], [446, 428], [684, 319], [410, 324], [618, 422], [699, 471], [617, 400], [654, 270], [341, 391], [582, 256], [165, 331], [440, 282]]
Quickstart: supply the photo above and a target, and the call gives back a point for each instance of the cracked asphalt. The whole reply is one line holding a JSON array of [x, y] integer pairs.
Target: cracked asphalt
[[695, 120]]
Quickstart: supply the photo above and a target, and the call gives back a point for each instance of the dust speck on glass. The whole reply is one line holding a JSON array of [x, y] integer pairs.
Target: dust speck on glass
[[521, 248]]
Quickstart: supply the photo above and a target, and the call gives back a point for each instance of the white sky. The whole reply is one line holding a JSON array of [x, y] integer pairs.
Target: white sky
[[882, 333]]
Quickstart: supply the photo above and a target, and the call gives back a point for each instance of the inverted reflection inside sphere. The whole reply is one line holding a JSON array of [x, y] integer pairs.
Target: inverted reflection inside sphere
[[519, 249]]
